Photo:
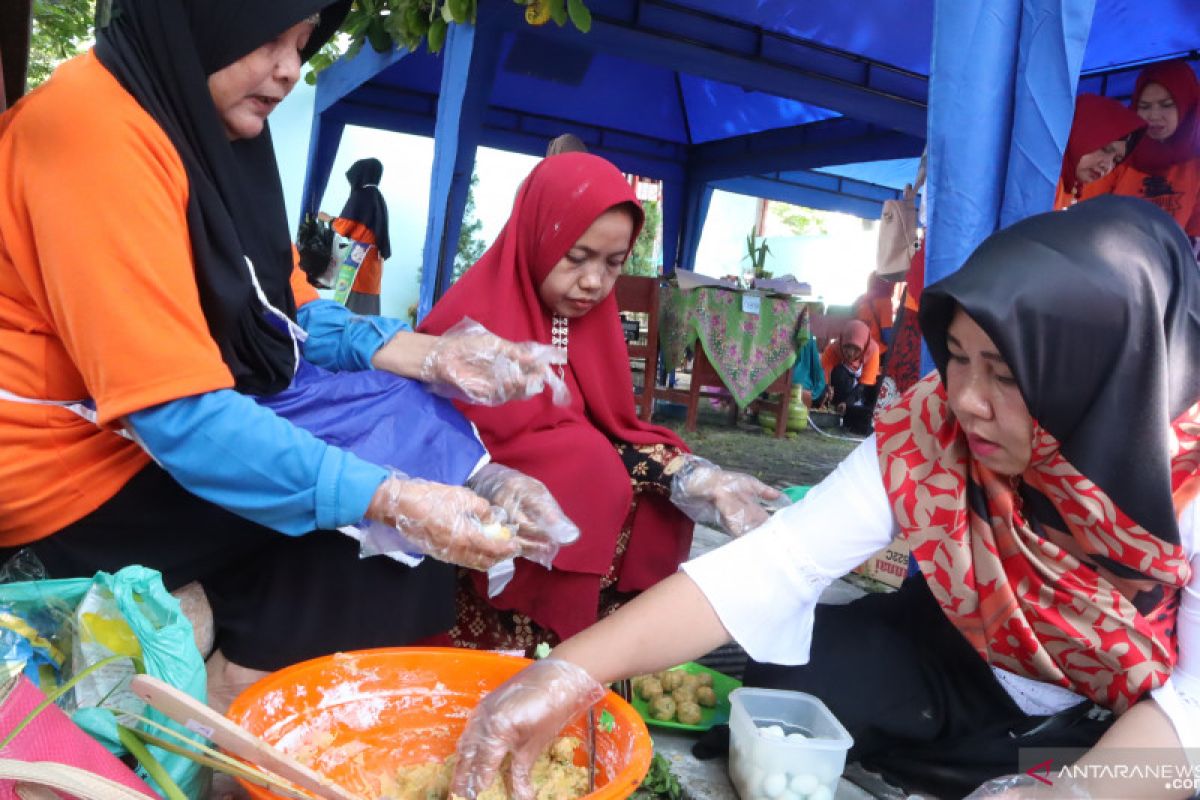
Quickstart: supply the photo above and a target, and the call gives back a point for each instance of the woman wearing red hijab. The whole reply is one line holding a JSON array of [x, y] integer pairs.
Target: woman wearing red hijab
[[1165, 168], [1103, 134], [549, 275]]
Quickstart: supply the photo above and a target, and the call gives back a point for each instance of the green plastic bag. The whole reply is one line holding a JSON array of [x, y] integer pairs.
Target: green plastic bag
[[168, 651]]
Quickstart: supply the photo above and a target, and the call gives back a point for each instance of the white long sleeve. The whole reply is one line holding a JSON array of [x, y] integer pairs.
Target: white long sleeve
[[1179, 697], [765, 586]]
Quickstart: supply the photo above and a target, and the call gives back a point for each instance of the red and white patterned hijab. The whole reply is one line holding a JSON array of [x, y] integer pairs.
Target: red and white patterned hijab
[[1070, 572]]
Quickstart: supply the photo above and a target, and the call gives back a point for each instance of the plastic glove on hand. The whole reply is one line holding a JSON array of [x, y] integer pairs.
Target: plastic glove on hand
[[542, 527], [469, 363], [521, 716], [1028, 787], [733, 501], [450, 523]]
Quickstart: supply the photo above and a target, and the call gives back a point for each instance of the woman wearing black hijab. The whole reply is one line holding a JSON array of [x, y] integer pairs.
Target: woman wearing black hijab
[[1045, 478], [145, 289], [364, 221]]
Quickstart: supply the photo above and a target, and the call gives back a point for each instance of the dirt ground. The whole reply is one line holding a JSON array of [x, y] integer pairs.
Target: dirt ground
[[802, 459]]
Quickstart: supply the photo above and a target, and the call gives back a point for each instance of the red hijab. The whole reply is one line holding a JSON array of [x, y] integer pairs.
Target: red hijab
[[1176, 77], [1098, 121], [569, 448]]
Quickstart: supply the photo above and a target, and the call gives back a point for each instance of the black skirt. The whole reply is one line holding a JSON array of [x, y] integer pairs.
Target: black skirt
[[276, 599], [924, 709]]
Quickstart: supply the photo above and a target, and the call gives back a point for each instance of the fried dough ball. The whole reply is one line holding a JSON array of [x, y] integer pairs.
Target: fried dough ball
[[688, 713], [651, 689], [684, 694], [671, 680], [662, 708], [705, 678], [706, 697]]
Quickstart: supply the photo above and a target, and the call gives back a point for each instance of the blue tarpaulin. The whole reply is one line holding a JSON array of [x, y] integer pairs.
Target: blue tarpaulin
[[824, 105]]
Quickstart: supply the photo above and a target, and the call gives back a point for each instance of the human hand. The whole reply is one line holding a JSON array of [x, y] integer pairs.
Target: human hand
[[450, 523], [541, 526], [469, 363], [520, 716], [734, 501]]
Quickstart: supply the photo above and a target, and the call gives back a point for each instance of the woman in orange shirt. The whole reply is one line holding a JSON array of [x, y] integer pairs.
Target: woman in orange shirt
[[875, 309], [851, 364], [364, 220], [145, 270], [1165, 167], [1103, 134]]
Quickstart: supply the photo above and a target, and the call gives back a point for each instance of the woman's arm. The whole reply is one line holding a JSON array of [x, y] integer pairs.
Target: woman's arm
[[668, 624]]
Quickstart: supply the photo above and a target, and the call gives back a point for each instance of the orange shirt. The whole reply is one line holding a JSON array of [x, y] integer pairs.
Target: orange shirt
[[369, 279], [833, 356], [98, 297], [1177, 192], [877, 313]]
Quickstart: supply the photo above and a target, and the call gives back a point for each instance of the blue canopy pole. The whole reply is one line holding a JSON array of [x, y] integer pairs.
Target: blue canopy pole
[[672, 222], [322, 150], [1001, 96], [695, 211], [469, 66]]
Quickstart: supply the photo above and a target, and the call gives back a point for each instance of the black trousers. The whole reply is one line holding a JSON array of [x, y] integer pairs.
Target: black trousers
[[924, 709], [276, 599]]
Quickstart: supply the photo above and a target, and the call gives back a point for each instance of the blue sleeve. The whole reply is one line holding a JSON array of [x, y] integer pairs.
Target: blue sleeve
[[225, 448], [340, 340]]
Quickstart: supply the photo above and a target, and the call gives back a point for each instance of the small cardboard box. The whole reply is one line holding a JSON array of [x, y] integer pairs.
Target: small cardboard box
[[889, 565]]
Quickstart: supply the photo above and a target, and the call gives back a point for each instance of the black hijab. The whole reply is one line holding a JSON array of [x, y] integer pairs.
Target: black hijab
[[365, 205], [1097, 312], [162, 52]]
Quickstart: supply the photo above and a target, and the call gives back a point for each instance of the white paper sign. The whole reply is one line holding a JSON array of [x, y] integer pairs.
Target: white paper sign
[[751, 303]]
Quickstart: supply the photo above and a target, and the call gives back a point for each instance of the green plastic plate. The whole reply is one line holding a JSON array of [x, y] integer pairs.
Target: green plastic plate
[[722, 686]]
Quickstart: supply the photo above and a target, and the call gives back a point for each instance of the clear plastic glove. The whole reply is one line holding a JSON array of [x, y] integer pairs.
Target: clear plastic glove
[[469, 363], [1029, 787], [521, 716], [541, 526], [733, 501], [450, 523]]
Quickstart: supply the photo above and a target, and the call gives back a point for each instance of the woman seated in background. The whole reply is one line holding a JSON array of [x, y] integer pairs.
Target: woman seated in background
[[549, 277], [1165, 167], [851, 364], [1103, 134], [1058, 603]]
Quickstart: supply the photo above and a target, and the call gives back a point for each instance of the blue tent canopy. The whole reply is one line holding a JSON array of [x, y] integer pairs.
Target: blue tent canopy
[[826, 106]]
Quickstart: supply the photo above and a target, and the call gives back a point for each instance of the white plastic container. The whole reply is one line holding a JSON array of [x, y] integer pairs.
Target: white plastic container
[[769, 761]]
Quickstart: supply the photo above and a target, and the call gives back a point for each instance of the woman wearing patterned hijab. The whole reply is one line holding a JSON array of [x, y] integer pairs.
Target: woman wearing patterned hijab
[[1045, 479]]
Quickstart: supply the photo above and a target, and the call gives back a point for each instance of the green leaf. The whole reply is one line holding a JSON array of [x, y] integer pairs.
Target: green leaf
[[558, 12], [542, 650], [437, 34], [580, 16], [459, 9], [378, 36], [608, 723]]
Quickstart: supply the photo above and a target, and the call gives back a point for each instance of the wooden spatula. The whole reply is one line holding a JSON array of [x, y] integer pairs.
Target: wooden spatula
[[237, 741]]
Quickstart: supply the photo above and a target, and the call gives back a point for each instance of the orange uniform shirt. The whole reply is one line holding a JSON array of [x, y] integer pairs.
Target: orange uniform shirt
[[833, 356], [1177, 192], [98, 297], [369, 279]]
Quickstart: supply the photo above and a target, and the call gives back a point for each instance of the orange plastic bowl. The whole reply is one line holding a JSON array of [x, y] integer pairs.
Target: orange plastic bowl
[[357, 716]]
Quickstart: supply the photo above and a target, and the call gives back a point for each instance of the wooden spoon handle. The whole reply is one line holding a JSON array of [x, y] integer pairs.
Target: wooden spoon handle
[[235, 740]]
